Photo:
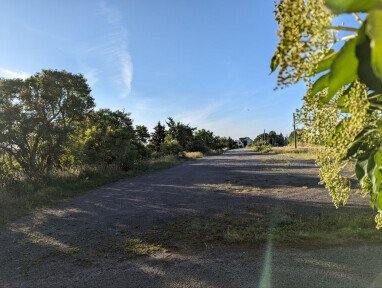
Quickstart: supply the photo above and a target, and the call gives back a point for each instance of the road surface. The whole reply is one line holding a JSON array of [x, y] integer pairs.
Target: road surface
[[66, 246]]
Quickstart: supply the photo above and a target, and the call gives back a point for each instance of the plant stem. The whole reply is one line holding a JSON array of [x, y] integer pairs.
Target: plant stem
[[342, 28]]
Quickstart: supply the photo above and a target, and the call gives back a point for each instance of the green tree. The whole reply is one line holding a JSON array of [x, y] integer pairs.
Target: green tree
[[157, 137], [142, 133], [204, 140], [110, 139], [343, 105], [37, 116], [181, 132], [231, 143]]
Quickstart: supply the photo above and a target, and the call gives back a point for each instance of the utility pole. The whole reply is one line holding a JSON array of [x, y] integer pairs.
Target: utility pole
[[264, 136], [294, 131]]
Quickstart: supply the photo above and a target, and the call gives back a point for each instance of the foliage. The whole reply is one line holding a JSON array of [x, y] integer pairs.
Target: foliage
[[157, 137], [142, 133], [110, 139], [343, 69], [37, 116], [271, 138], [231, 143], [180, 132], [260, 146], [171, 146]]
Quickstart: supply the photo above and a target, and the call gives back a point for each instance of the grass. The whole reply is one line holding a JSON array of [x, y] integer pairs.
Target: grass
[[302, 153], [193, 155], [285, 227], [22, 197]]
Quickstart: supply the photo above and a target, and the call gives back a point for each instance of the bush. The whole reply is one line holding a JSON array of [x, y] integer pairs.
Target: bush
[[171, 147], [260, 146]]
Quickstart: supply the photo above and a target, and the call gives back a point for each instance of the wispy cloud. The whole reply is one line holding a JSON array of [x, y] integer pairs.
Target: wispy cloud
[[199, 116], [6, 73], [116, 48], [91, 76]]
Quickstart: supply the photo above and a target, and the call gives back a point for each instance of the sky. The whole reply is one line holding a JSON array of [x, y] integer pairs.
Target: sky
[[202, 62]]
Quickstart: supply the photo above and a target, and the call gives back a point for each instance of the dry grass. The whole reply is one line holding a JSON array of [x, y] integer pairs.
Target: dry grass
[[255, 227], [303, 153], [193, 155]]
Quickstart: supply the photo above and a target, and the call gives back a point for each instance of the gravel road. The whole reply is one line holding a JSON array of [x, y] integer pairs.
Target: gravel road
[[66, 246]]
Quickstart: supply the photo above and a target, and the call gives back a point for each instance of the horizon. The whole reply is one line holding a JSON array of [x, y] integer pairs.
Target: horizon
[[201, 63]]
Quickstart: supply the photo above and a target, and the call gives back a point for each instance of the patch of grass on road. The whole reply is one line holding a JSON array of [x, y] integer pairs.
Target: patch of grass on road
[[22, 197], [286, 228]]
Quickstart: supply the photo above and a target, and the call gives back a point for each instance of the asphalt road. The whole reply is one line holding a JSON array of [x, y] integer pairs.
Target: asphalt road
[[66, 246]]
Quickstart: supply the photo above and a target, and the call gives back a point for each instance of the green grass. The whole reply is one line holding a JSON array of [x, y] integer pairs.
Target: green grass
[[22, 197], [285, 227]]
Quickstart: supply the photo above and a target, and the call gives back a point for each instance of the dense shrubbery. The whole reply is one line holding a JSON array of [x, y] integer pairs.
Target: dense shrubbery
[[272, 139], [48, 125], [260, 146]]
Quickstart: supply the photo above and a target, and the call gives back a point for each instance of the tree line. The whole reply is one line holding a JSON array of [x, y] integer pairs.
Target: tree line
[[48, 123]]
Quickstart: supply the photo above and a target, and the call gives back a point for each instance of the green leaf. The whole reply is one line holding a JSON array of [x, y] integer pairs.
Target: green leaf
[[320, 84], [364, 54], [374, 31], [359, 141], [326, 62], [275, 63], [344, 68], [350, 6], [374, 172]]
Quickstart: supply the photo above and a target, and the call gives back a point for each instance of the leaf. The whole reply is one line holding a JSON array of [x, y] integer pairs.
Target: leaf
[[274, 63], [350, 6], [374, 31], [374, 172], [359, 141], [326, 62], [344, 68], [320, 84], [365, 71]]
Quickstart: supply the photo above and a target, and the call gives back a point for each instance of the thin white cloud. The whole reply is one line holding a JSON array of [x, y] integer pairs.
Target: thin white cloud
[[116, 48], [199, 116], [91, 76], [10, 74]]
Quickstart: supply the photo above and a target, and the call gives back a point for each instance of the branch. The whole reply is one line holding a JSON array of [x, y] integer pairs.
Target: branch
[[343, 28], [345, 38], [357, 18]]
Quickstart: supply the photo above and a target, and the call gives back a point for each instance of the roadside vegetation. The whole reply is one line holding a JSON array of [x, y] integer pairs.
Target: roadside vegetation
[[54, 144], [254, 228]]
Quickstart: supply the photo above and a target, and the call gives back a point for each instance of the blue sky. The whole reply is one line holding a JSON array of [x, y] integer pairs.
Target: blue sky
[[203, 62]]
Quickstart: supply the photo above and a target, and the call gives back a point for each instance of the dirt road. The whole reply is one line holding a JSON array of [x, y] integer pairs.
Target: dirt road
[[67, 246]]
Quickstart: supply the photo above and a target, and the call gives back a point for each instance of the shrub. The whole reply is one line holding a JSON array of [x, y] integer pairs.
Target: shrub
[[260, 146]]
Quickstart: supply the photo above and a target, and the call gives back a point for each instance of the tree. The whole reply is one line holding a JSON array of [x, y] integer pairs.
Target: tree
[[157, 137], [203, 140], [182, 133], [37, 116], [142, 133], [343, 105], [110, 139], [271, 138], [231, 143]]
